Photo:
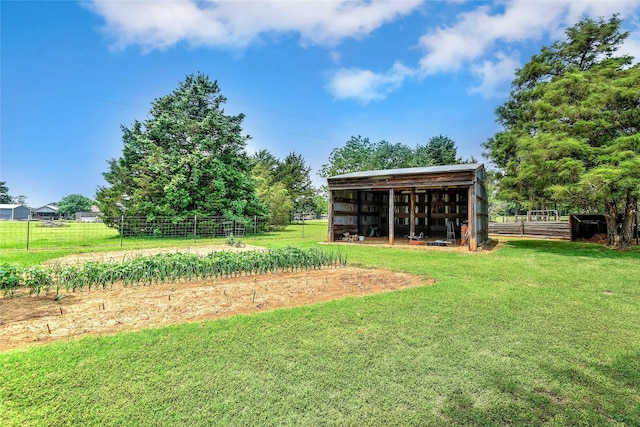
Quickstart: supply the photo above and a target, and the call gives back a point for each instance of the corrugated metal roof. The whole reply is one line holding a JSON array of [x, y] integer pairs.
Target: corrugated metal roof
[[11, 206], [411, 171]]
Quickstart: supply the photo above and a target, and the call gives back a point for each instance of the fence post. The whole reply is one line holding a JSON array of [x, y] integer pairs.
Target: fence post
[[195, 227], [303, 227], [121, 228], [28, 231], [255, 226]]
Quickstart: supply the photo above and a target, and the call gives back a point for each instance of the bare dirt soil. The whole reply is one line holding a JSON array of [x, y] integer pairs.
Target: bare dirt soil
[[26, 320]]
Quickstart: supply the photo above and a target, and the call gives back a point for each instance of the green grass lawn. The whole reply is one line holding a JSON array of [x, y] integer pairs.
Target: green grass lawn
[[532, 333]]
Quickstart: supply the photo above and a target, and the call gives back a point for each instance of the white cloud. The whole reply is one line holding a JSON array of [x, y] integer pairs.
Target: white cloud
[[631, 47], [494, 75], [466, 44], [476, 32], [154, 24], [366, 86]]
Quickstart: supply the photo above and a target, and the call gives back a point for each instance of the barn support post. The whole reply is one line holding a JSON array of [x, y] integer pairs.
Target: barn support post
[[330, 237], [471, 218], [392, 217], [412, 213]]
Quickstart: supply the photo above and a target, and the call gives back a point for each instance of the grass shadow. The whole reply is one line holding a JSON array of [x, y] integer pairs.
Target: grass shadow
[[577, 249]]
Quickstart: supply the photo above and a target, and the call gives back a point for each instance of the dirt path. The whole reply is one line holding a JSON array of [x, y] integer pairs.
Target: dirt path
[[28, 320]]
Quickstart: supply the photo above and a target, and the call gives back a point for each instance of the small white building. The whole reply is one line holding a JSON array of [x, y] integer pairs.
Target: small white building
[[11, 212], [93, 216]]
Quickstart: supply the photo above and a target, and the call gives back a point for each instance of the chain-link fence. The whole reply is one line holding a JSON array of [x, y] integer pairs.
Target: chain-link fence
[[136, 231]]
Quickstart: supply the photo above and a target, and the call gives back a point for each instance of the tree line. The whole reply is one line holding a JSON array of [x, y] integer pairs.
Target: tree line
[[189, 158], [68, 205]]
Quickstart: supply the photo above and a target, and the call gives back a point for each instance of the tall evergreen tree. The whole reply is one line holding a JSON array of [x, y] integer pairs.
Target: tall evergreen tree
[[4, 193], [439, 150], [295, 175], [571, 126], [188, 158]]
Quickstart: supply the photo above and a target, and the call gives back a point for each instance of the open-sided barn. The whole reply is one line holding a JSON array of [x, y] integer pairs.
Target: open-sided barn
[[411, 201]]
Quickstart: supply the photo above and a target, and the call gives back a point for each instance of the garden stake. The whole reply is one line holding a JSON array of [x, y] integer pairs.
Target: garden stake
[[48, 329]]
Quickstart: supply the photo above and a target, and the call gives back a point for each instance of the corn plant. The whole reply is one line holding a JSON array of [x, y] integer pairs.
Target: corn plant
[[154, 269], [9, 279], [38, 279]]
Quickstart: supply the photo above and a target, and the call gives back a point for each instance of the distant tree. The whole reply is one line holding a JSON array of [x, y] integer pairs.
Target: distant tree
[[21, 199], [4, 193], [571, 127], [295, 175], [386, 155], [439, 150], [356, 154], [273, 194], [73, 203], [360, 154], [188, 158], [321, 201], [266, 159]]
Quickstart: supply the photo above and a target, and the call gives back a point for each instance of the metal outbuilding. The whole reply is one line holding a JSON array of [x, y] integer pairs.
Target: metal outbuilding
[[11, 212], [428, 201]]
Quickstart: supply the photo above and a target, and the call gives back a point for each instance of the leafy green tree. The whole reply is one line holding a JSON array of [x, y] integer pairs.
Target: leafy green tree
[[273, 194], [292, 175], [4, 193], [360, 154], [321, 201], [357, 154], [390, 156], [73, 203], [188, 158], [571, 127]]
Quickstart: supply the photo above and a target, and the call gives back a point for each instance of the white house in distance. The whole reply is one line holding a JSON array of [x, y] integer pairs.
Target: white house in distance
[[49, 211], [10, 212]]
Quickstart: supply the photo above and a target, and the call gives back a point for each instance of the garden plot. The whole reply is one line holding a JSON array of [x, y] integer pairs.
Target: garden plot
[[28, 320], [114, 256]]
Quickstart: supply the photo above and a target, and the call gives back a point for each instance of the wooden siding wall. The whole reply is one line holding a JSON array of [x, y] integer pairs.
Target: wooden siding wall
[[480, 232]]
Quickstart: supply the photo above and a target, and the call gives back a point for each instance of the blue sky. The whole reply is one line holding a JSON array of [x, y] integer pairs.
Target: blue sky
[[307, 74]]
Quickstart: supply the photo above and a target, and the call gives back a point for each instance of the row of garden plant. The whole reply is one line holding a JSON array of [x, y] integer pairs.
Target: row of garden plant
[[163, 268]]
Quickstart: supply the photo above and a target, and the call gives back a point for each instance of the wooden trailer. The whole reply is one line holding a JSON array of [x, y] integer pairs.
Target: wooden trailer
[[405, 203]]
